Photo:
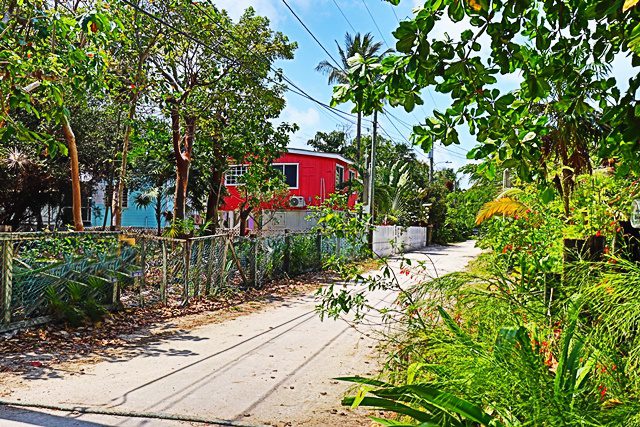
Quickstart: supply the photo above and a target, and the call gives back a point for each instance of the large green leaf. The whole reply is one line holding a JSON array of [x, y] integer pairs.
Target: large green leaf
[[440, 399]]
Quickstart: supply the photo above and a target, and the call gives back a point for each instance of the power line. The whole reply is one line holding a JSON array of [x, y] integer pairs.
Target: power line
[[396, 127], [344, 16], [374, 23], [415, 149], [312, 35], [393, 9]]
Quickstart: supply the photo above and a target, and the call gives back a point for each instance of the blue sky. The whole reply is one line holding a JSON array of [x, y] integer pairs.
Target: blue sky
[[325, 19]]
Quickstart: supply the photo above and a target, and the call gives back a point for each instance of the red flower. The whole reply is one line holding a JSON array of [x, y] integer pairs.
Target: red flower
[[598, 233], [603, 391]]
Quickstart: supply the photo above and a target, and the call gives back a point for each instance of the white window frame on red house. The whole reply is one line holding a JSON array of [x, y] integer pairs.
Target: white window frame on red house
[[352, 175], [341, 175], [297, 165], [235, 175]]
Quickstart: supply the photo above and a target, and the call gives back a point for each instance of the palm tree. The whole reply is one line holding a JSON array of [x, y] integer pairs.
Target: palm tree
[[367, 48], [393, 189]]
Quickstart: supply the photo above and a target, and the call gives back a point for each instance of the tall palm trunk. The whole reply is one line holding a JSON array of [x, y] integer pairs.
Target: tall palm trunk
[[76, 194]]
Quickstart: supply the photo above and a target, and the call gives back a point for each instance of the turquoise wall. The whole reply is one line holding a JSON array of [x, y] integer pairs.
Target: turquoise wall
[[131, 216]]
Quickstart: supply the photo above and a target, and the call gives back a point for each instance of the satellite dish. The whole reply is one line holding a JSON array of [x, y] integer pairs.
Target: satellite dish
[[635, 214]]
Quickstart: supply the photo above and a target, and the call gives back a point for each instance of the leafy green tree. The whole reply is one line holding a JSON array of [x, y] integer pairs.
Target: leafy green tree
[[131, 78], [260, 184], [554, 121], [393, 190], [330, 142], [151, 167], [243, 106], [53, 58]]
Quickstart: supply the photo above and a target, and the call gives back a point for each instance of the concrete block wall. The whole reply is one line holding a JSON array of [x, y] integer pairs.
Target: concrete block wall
[[389, 240]]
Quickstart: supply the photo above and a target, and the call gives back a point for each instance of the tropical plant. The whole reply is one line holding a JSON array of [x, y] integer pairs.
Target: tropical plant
[[365, 47], [79, 302], [393, 190]]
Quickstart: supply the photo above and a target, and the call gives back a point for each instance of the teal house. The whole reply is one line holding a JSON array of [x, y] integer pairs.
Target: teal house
[[132, 215]]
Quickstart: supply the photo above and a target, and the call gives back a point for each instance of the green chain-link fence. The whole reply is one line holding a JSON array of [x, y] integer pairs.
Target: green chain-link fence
[[136, 270]]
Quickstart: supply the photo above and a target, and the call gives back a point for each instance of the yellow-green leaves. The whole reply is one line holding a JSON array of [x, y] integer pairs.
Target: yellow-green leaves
[[628, 4]]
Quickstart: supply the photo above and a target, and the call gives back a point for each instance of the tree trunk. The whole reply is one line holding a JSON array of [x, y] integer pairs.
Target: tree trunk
[[213, 200], [108, 190], [183, 160], [244, 216], [75, 175], [117, 212], [159, 209]]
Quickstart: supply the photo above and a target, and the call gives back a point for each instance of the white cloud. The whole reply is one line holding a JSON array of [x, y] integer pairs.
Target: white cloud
[[307, 120], [272, 9]]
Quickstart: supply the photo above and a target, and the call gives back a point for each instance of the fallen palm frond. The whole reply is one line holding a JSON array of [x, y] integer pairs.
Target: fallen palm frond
[[505, 206]]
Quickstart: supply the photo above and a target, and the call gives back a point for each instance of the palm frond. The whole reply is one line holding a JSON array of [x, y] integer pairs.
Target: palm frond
[[511, 193], [504, 206]]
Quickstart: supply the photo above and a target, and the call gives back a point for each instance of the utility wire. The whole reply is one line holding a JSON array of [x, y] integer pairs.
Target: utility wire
[[312, 35], [299, 91], [344, 16], [393, 9], [388, 115], [375, 23]]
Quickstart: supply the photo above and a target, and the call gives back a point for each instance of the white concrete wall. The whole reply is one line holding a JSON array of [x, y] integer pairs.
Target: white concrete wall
[[389, 240], [383, 240], [278, 221]]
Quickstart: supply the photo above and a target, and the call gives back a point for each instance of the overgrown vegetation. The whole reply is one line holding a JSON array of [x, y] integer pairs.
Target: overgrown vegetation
[[545, 332]]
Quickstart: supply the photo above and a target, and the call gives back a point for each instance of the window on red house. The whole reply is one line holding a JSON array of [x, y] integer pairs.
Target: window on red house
[[352, 176], [234, 173], [339, 174], [290, 172]]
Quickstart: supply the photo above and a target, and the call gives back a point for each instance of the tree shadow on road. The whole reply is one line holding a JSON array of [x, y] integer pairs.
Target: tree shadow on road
[[36, 418]]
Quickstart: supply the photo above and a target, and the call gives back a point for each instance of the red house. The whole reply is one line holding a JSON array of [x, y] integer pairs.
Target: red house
[[311, 176]]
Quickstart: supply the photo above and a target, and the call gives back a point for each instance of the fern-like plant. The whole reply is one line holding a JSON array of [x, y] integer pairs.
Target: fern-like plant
[[504, 206]]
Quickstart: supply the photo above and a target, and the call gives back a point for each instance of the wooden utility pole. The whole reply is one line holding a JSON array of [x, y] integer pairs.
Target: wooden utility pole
[[372, 165], [431, 165], [372, 178]]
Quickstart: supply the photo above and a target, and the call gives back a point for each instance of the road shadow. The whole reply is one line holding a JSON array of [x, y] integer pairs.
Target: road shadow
[[36, 418], [34, 356]]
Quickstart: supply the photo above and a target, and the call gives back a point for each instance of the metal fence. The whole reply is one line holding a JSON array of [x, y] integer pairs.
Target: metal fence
[[136, 270]]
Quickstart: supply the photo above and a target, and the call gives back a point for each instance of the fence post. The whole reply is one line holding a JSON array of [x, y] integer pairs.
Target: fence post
[[187, 261], [253, 261], [223, 265], [7, 280], [198, 269], [319, 248], [287, 253], [338, 241], [207, 285], [163, 283]]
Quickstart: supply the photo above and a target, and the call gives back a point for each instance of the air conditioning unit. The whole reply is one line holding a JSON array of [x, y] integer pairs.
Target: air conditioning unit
[[296, 202]]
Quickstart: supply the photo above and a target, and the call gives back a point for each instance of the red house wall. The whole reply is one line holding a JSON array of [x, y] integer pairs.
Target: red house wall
[[316, 180]]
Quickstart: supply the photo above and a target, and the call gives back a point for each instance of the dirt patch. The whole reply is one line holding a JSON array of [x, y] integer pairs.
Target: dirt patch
[[40, 351]]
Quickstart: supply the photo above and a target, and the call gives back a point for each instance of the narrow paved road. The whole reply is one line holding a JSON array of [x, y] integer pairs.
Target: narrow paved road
[[272, 367]]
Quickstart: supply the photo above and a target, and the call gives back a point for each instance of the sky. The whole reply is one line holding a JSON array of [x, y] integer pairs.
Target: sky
[[329, 20]]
